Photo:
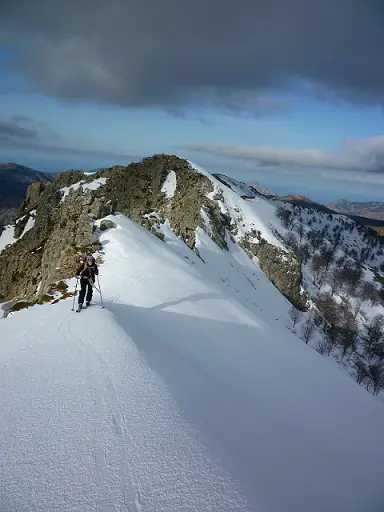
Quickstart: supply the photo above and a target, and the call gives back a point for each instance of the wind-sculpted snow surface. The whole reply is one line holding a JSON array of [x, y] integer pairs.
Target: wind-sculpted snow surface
[[177, 397]]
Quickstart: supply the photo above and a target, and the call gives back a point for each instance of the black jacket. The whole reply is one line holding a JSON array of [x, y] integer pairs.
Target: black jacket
[[86, 271]]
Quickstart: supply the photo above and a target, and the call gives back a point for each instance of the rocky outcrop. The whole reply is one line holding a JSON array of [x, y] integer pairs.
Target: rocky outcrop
[[65, 225], [14, 182], [136, 192], [32, 198], [106, 224], [49, 251], [282, 268]]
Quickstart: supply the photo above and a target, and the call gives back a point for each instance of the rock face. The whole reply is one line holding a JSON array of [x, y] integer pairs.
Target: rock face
[[282, 268], [66, 209], [136, 191], [32, 198], [284, 271], [49, 251], [14, 182]]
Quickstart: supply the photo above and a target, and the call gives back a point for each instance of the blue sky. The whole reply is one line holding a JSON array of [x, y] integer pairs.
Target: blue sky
[[63, 105]]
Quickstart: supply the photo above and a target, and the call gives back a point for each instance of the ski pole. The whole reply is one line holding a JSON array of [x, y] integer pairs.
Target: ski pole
[[101, 296], [93, 285], [74, 296]]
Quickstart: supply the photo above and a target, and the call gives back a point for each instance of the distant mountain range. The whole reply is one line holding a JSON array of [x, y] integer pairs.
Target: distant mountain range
[[368, 209], [14, 182]]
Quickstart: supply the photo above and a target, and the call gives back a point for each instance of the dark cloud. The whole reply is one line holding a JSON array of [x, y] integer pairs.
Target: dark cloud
[[13, 130], [20, 130], [199, 53]]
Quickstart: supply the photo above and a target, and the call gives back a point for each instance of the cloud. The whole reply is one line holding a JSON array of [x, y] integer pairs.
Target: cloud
[[370, 150], [22, 133], [20, 130], [359, 155], [13, 131], [170, 53]]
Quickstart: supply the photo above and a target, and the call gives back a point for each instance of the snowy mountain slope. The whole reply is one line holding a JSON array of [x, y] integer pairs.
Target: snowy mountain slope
[[178, 396], [350, 242], [353, 237], [256, 213], [332, 247], [253, 189], [242, 189]]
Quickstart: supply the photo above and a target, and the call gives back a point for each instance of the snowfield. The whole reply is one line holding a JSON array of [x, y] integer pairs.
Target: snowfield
[[7, 237], [180, 395], [30, 223], [169, 185]]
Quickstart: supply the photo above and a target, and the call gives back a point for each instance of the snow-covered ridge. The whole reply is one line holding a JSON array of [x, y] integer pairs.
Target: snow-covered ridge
[[184, 395], [242, 189], [236, 237], [91, 185]]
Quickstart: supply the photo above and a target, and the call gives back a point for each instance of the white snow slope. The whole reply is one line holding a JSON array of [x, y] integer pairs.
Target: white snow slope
[[178, 398]]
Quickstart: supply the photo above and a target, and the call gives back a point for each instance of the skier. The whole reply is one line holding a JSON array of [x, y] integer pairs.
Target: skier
[[86, 273]]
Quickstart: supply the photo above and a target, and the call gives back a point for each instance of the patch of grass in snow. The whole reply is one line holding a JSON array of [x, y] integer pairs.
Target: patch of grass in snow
[[19, 306], [58, 287], [65, 295]]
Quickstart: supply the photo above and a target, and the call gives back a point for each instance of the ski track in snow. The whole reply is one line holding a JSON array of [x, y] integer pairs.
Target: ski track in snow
[[180, 396], [101, 431]]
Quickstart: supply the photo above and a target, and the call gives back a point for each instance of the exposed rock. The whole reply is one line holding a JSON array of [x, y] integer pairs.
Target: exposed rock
[[281, 268], [68, 178], [106, 224], [219, 222], [14, 182], [136, 192], [7, 216], [32, 198], [49, 251]]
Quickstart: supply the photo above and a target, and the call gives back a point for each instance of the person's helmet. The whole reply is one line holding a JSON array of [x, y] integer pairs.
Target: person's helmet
[[90, 259]]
